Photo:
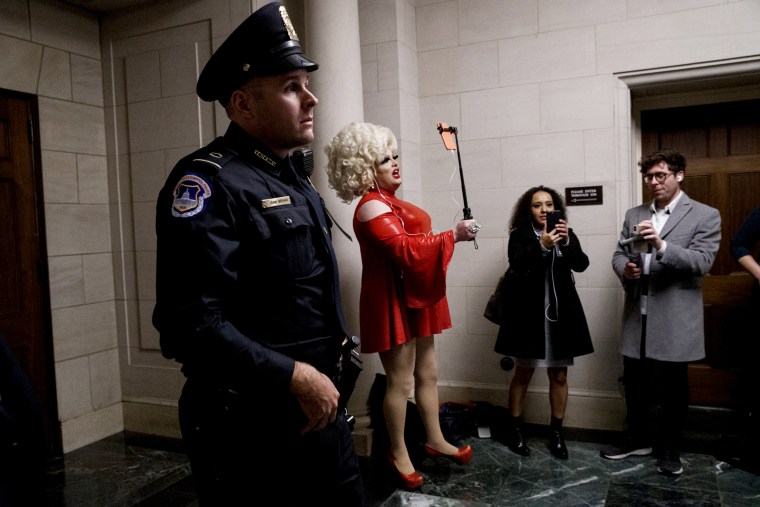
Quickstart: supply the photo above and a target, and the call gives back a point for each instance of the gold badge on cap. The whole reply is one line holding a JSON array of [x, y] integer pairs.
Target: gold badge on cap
[[288, 25]]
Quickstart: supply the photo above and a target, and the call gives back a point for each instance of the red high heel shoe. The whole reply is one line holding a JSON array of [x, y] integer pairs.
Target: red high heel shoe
[[410, 481], [461, 457]]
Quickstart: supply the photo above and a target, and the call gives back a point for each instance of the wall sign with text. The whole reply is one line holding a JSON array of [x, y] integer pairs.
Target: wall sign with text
[[583, 196]]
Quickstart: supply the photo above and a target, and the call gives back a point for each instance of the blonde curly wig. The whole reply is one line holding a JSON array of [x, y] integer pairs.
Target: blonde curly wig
[[352, 155]]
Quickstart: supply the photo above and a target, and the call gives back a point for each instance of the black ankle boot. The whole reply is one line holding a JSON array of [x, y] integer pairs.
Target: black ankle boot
[[556, 443], [514, 436]]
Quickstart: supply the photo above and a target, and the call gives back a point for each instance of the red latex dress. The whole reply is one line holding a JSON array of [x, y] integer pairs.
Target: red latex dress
[[403, 291]]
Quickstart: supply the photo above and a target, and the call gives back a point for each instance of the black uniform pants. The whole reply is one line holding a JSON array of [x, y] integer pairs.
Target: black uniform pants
[[244, 453], [649, 383]]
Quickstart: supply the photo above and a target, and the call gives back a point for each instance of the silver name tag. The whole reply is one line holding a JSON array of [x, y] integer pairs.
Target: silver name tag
[[275, 201]]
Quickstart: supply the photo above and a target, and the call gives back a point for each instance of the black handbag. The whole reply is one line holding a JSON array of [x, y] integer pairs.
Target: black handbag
[[493, 307]]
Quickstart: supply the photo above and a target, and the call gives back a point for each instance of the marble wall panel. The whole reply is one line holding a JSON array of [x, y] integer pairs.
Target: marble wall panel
[[70, 127], [98, 277], [537, 159], [599, 148], [86, 80], [77, 229], [59, 179], [435, 109], [437, 26], [66, 277], [163, 123], [14, 18], [143, 76], [105, 378], [382, 108], [82, 330], [476, 69], [500, 112], [377, 22], [19, 65], [65, 27], [577, 104], [483, 20], [547, 56], [563, 14], [700, 35], [92, 176], [73, 385], [55, 74]]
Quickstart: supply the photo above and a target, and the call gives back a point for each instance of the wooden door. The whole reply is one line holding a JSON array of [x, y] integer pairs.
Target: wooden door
[[721, 143], [24, 294]]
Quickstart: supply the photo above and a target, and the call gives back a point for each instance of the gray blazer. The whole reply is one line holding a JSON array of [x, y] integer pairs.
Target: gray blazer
[[675, 323]]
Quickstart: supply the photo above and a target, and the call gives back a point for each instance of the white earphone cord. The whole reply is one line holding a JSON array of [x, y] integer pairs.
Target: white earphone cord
[[379, 191], [554, 291]]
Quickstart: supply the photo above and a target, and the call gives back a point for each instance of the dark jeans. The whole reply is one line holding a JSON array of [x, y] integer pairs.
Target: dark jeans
[[246, 453], [649, 383]]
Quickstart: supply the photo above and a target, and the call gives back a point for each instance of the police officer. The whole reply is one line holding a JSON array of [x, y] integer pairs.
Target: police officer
[[247, 287]]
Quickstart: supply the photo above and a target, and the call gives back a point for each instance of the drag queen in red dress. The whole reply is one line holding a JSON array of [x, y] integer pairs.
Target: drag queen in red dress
[[403, 290]]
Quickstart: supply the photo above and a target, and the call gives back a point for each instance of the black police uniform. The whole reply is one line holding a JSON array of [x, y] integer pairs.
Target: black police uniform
[[247, 283]]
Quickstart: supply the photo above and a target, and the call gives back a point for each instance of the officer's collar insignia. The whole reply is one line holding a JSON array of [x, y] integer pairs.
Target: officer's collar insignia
[[288, 25], [266, 159], [190, 196]]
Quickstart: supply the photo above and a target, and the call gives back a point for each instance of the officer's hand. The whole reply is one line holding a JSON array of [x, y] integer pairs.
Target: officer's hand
[[316, 394]]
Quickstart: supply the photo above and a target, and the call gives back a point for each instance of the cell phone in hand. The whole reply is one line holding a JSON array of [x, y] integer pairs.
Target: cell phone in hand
[[552, 219]]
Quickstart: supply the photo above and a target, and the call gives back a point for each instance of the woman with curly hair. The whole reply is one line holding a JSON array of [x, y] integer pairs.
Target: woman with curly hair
[[543, 323], [403, 290]]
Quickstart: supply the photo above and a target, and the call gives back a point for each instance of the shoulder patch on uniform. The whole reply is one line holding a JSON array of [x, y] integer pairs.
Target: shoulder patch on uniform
[[190, 196]]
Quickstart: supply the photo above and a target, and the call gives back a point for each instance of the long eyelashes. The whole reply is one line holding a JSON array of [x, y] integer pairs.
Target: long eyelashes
[[388, 159]]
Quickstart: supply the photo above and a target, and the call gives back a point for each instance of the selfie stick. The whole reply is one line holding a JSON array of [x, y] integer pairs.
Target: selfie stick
[[642, 288], [466, 210]]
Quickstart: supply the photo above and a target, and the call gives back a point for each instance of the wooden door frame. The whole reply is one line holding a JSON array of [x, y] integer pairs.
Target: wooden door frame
[[50, 405], [684, 85]]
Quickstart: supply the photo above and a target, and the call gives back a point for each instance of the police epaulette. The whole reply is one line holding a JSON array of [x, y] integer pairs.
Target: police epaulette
[[215, 156]]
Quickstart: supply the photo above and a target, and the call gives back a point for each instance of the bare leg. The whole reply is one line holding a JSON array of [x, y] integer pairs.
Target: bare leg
[[517, 389], [398, 363], [557, 390], [426, 394]]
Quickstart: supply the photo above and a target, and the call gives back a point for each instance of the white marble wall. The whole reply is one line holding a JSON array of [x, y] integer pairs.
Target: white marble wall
[[53, 51]]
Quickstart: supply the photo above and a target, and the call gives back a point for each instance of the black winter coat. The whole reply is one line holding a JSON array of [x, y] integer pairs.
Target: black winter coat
[[521, 333]]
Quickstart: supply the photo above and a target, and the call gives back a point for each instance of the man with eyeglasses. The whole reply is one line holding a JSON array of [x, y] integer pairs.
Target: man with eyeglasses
[[674, 240]]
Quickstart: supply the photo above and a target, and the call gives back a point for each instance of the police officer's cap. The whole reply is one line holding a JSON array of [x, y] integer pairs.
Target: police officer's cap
[[265, 44]]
